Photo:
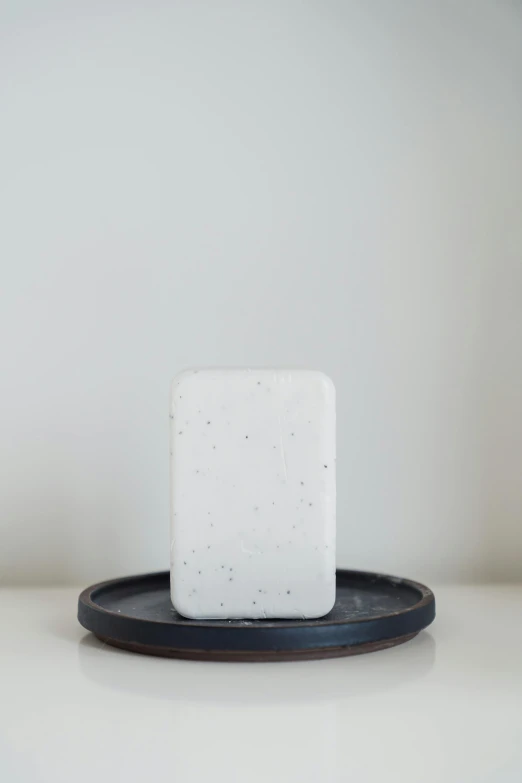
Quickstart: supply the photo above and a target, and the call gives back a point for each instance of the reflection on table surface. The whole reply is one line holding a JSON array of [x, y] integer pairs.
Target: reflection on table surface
[[251, 683], [264, 722]]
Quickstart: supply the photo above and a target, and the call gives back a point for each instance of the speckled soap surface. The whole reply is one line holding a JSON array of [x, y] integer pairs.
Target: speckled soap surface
[[253, 493]]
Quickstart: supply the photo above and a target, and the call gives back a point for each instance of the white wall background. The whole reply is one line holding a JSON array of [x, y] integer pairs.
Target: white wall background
[[330, 184]]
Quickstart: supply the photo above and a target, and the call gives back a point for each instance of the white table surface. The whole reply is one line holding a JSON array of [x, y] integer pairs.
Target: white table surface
[[444, 708]]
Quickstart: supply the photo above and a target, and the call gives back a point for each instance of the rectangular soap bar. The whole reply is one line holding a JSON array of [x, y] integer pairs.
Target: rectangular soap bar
[[253, 493]]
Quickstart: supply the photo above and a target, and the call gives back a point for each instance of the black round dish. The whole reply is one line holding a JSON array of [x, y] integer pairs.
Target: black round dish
[[371, 612]]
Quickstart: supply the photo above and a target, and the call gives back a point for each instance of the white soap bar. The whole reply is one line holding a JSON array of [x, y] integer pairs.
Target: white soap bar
[[253, 493]]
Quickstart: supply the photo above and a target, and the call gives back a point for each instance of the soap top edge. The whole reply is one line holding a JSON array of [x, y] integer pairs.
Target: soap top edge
[[303, 371]]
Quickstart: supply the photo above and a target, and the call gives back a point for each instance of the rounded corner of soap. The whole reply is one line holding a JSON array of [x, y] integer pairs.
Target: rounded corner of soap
[[326, 382], [182, 377], [330, 603], [180, 604], [326, 605]]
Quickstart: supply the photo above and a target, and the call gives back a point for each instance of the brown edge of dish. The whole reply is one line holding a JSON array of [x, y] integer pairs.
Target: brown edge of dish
[[257, 656]]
